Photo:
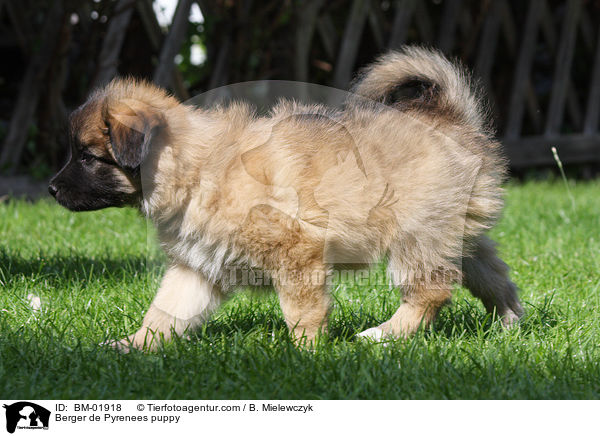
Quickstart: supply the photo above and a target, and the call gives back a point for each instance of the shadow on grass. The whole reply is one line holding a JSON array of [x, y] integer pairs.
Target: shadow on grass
[[467, 321], [460, 319], [75, 267], [463, 321], [241, 363], [245, 352]]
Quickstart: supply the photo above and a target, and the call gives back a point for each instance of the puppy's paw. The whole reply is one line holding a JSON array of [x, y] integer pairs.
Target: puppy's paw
[[123, 346], [510, 319], [142, 340], [375, 334]]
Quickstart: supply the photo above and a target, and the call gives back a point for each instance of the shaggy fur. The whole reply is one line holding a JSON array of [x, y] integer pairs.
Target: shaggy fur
[[412, 176]]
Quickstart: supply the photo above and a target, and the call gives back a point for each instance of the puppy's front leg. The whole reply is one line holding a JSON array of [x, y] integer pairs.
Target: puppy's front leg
[[184, 300], [304, 301]]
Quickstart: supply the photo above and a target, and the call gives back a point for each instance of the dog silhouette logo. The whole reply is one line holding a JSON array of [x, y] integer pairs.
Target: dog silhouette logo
[[26, 415]]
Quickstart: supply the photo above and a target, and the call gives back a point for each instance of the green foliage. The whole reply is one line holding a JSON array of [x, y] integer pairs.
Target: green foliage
[[96, 274], [193, 74]]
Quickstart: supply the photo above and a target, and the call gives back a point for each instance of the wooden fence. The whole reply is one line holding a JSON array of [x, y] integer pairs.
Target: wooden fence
[[523, 51], [538, 59]]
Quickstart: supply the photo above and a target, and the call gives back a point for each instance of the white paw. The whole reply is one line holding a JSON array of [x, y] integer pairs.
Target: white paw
[[374, 333], [510, 319]]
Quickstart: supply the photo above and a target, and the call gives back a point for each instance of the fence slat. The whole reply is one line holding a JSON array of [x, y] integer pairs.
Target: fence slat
[[376, 23], [404, 13], [21, 26], [521, 76], [448, 25], [328, 35], [424, 23], [305, 30], [549, 33], [487, 47], [593, 106], [172, 44], [537, 150], [153, 30], [30, 89], [113, 42], [587, 31], [563, 68], [350, 42]]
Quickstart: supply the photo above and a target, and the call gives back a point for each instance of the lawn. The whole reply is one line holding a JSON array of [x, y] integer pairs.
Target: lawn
[[96, 273]]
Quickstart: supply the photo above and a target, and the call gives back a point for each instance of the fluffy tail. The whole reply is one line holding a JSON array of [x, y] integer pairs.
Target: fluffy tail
[[423, 79]]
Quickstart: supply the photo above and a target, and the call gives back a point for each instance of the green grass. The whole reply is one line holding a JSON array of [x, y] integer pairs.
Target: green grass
[[96, 274]]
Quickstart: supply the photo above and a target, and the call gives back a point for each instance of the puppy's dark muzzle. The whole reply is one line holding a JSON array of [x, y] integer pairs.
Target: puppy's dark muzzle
[[56, 182], [52, 190]]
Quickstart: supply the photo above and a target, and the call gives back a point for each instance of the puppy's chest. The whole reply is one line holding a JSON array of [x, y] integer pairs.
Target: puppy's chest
[[217, 260]]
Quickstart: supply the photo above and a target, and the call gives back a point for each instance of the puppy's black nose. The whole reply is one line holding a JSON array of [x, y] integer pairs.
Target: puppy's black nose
[[52, 190]]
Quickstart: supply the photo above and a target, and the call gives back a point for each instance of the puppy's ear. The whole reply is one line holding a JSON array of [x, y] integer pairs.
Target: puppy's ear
[[132, 125]]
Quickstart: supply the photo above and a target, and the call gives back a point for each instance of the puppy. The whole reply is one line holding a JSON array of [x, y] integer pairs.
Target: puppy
[[407, 171]]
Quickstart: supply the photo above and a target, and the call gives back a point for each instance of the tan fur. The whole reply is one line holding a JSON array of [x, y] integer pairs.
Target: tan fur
[[305, 188]]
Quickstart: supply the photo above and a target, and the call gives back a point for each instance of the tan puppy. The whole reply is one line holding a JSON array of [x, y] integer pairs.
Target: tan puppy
[[410, 173]]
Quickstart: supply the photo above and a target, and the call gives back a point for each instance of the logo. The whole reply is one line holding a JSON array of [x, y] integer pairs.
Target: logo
[[26, 415]]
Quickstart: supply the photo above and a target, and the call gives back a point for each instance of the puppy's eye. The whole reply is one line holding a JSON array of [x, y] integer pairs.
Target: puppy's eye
[[87, 157]]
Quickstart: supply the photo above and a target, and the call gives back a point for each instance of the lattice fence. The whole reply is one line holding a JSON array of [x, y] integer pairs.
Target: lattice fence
[[539, 61]]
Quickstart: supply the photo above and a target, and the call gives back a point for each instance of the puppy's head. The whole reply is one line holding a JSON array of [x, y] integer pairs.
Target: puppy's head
[[111, 135]]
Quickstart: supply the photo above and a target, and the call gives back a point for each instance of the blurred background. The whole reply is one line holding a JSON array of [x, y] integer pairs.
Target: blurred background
[[539, 61]]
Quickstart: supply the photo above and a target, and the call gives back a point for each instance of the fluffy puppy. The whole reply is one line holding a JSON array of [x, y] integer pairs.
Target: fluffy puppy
[[407, 171]]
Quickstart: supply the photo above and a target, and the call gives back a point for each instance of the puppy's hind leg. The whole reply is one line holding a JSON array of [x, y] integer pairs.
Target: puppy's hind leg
[[425, 291], [184, 300], [486, 276]]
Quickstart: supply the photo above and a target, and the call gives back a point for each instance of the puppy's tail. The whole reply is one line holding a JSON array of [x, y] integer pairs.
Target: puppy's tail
[[416, 78]]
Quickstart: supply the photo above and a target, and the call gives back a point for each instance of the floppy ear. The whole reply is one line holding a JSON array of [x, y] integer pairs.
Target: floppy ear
[[132, 125]]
